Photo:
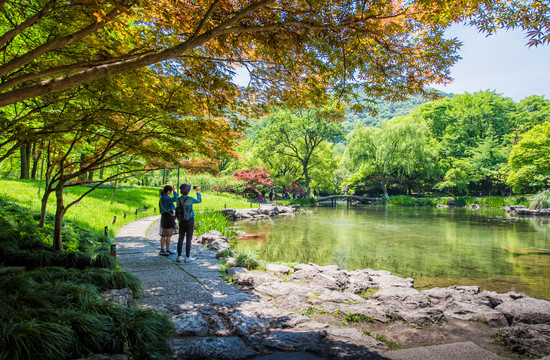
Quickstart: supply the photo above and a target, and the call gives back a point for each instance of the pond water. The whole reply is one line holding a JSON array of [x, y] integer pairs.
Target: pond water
[[435, 246]]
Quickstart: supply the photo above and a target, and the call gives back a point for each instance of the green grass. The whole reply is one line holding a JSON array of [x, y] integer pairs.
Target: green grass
[[95, 211], [356, 318]]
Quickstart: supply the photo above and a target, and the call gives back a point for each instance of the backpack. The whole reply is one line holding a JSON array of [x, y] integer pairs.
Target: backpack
[[182, 212]]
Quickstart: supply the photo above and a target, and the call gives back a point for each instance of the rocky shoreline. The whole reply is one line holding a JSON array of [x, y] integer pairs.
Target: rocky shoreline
[[356, 314]]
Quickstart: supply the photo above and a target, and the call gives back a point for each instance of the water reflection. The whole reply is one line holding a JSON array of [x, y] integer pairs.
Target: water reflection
[[435, 246]]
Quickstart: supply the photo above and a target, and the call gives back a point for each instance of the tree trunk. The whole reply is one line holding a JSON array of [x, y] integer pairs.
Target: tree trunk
[[101, 169], [45, 197], [35, 160], [306, 180], [59, 213], [25, 151], [90, 176], [383, 183]]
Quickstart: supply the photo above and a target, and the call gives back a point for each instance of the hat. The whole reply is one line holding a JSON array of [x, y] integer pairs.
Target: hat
[[185, 188]]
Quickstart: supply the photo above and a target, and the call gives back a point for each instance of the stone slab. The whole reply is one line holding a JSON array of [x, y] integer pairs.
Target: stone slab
[[457, 351]]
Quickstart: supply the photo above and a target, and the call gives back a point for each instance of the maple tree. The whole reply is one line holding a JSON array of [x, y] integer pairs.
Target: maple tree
[[128, 129], [256, 176], [293, 50]]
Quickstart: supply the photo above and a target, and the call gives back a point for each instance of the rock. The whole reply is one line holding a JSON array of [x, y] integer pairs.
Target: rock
[[278, 269], [349, 343], [217, 327], [356, 336], [313, 325], [229, 213], [294, 302], [254, 279], [526, 310], [407, 298], [304, 267], [531, 340], [208, 236], [475, 207], [328, 282], [291, 340], [242, 323], [124, 297], [276, 290], [218, 245], [474, 312], [222, 348], [231, 261], [190, 323], [368, 308], [291, 320], [235, 271], [384, 280]]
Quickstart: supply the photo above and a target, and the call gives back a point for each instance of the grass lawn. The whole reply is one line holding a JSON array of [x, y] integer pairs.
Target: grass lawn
[[95, 211]]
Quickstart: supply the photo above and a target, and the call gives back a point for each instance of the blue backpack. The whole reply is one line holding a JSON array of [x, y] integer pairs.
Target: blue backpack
[[183, 212]]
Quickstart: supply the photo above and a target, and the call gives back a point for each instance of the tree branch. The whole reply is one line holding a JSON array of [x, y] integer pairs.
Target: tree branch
[[55, 44], [67, 68], [9, 35], [61, 83], [205, 18]]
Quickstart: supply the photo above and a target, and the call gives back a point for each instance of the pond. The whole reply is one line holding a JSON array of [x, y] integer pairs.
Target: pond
[[435, 246]]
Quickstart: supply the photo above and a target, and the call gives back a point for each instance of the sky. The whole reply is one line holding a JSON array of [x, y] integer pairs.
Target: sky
[[501, 62]]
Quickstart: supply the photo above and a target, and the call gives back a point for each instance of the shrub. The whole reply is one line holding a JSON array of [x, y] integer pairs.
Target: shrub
[[541, 200], [249, 261]]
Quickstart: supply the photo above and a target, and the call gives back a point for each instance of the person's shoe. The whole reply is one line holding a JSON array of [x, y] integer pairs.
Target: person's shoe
[[164, 253], [178, 259], [171, 252], [189, 259]]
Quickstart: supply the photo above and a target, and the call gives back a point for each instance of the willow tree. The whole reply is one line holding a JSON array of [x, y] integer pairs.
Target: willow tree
[[293, 50], [401, 147]]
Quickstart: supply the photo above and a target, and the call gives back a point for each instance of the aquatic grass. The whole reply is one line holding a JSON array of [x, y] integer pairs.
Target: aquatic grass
[[405, 200], [541, 200], [214, 220], [250, 261]]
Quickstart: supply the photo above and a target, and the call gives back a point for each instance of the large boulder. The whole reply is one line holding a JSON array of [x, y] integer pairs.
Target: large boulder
[[278, 269], [526, 310], [531, 340], [190, 323]]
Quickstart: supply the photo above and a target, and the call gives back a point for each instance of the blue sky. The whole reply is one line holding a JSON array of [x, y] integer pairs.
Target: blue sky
[[501, 62]]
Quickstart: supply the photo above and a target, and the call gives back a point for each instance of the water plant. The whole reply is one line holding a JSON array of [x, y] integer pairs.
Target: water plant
[[214, 220], [250, 261], [541, 200]]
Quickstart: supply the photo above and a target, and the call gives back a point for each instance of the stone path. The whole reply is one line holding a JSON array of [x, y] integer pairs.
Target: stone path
[[216, 320]]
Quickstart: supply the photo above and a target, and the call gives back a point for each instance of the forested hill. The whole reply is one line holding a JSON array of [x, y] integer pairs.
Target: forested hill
[[386, 111]]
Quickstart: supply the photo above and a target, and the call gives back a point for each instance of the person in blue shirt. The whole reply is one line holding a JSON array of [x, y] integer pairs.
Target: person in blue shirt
[[187, 220], [167, 219]]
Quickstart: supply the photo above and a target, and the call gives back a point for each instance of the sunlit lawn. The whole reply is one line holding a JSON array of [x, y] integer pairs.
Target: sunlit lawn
[[95, 211]]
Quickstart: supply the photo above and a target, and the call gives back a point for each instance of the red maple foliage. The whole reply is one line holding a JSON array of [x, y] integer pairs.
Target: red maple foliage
[[254, 177]]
